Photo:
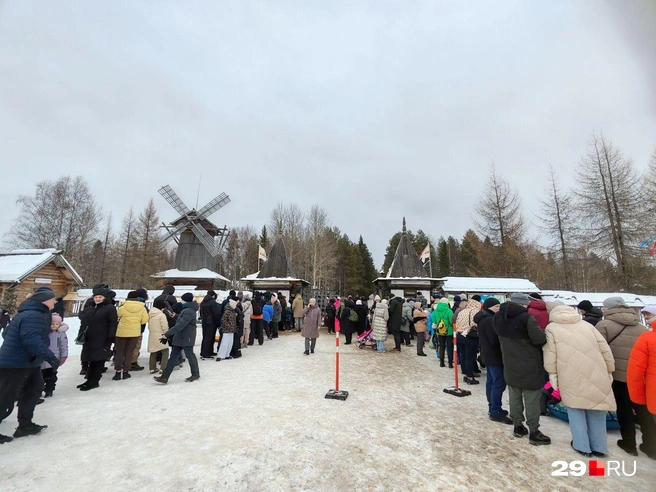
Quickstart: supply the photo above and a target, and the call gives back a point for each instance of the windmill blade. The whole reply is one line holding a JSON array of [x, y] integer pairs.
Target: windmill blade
[[219, 202], [175, 231], [205, 239], [173, 199]]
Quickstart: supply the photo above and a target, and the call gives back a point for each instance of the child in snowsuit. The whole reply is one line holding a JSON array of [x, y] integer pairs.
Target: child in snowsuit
[[59, 347], [549, 395]]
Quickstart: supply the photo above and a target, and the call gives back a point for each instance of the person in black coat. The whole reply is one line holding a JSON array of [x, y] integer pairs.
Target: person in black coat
[[591, 314], [331, 312], [394, 321], [100, 322], [59, 307], [256, 320], [4, 319], [169, 299], [495, 383], [210, 312], [346, 326], [361, 309], [523, 368]]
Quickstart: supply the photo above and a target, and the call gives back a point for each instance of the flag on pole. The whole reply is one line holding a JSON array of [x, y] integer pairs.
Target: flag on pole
[[261, 254], [425, 254]]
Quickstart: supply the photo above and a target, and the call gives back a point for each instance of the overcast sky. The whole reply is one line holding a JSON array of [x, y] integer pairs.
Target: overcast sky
[[373, 110]]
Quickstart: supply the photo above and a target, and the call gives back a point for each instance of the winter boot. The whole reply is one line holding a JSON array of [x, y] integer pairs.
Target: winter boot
[[88, 386], [626, 447], [537, 438], [117, 376], [649, 452], [450, 365], [39, 401], [469, 380], [160, 379], [307, 352], [501, 418], [127, 375], [5, 439], [587, 455], [136, 367], [191, 379], [442, 364], [48, 394], [29, 429], [520, 431]]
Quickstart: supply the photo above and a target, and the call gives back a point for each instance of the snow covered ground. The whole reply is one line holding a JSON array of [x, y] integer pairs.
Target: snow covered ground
[[261, 423]]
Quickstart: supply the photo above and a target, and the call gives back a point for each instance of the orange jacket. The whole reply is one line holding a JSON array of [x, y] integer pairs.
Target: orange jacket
[[641, 372]]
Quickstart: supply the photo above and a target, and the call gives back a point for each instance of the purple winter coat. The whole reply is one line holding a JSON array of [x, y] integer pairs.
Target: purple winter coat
[[58, 343]]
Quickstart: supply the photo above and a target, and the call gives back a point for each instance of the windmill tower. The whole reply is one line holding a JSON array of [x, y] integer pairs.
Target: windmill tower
[[194, 233]]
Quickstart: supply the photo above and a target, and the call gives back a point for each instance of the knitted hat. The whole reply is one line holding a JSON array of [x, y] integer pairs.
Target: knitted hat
[[417, 305], [133, 294], [612, 302], [358, 302], [377, 298], [143, 293], [490, 301], [535, 297], [585, 305], [444, 300], [476, 297], [519, 298], [43, 294], [457, 299], [187, 297], [100, 290], [57, 318], [211, 293]]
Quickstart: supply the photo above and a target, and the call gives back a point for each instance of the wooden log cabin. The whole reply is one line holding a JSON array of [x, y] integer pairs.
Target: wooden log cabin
[[22, 271]]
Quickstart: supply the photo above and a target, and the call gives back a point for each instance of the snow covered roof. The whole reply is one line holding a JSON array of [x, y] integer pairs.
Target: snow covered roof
[[203, 273], [488, 285], [597, 298], [21, 263]]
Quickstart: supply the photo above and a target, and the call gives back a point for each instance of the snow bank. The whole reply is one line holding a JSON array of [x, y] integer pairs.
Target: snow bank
[[261, 423]]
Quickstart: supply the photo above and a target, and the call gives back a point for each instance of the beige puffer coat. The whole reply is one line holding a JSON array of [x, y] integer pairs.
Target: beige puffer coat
[[614, 320], [297, 306], [157, 326], [579, 361]]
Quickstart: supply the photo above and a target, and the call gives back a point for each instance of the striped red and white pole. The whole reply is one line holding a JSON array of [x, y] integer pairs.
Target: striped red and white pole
[[336, 394]]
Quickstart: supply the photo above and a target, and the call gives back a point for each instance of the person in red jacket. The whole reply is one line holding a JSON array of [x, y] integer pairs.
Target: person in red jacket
[[641, 380], [538, 308]]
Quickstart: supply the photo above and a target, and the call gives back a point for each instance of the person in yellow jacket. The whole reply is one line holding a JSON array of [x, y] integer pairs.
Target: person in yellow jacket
[[131, 315]]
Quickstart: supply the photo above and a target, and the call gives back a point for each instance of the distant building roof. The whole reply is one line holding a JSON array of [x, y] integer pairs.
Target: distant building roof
[[597, 298], [18, 264], [277, 264], [457, 285], [203, 273]]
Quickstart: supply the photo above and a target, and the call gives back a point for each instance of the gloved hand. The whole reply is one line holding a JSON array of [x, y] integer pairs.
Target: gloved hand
[[62, 360], [163, 340], [53, 361]]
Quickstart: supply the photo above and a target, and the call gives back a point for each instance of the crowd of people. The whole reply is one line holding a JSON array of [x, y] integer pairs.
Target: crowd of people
[[593, 361]]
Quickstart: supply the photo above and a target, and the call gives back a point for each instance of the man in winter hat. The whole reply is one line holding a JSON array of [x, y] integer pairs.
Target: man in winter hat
[[590, 313], [25, 348]]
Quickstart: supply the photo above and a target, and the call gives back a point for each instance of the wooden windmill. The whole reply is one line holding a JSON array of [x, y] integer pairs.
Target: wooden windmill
[[194, 233]]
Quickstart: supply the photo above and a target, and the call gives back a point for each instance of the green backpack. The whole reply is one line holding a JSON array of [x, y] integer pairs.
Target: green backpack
[[353, 316]]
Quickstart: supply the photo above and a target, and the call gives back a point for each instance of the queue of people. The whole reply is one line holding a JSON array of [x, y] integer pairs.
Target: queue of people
[[592, 363]]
